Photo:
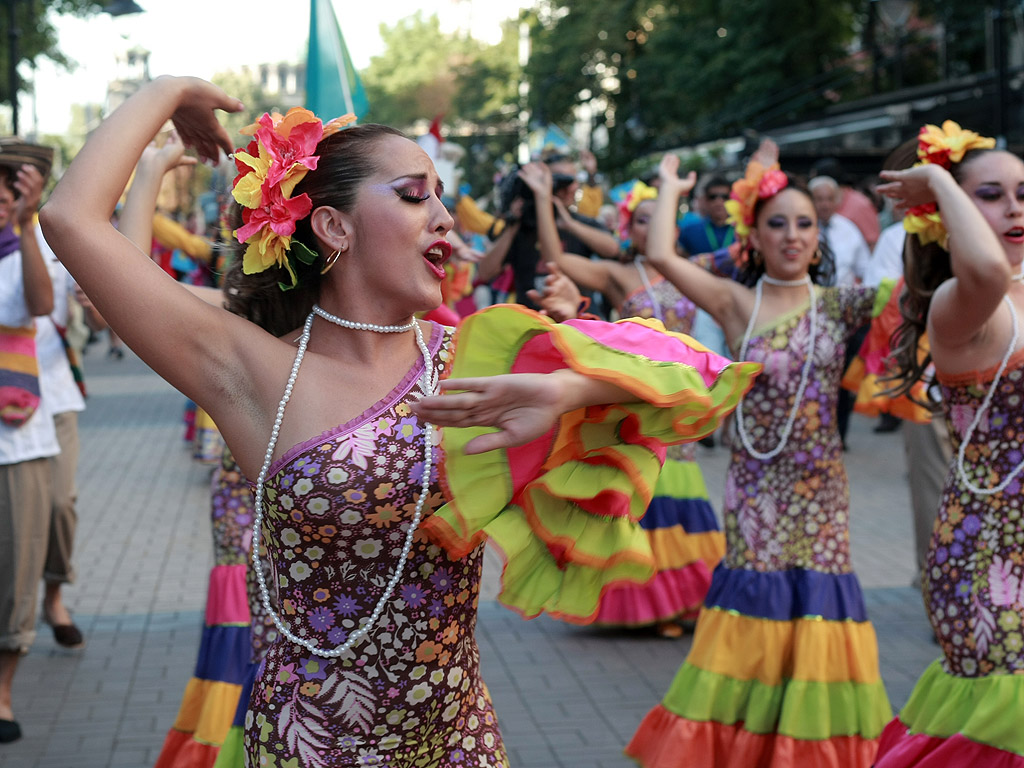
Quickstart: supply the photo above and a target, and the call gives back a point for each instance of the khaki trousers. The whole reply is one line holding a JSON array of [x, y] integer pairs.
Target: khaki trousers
[[64, 518], [24, 529], [929, 456]]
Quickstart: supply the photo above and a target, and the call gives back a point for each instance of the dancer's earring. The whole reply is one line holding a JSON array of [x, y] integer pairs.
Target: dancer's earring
[[331, 260]]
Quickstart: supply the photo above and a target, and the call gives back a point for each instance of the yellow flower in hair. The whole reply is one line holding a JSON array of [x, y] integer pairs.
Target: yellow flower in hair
[[926, 222], [948, 144]]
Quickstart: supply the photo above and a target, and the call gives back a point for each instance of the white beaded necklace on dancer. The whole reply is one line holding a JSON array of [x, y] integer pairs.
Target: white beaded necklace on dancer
[[961, 454], [639, 263], [804, 373], [428, 384]]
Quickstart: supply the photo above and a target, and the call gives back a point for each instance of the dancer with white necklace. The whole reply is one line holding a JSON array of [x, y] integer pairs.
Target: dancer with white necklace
[[373, 517], [963, 260], [783, 671], [680, 521]]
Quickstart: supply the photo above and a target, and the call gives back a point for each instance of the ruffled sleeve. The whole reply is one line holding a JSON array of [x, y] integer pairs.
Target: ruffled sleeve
[[866, 373], [564, 509]]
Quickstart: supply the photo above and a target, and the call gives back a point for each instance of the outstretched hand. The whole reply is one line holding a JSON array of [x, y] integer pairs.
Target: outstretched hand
[[560, 300], [28, 183], [668, 173], [537, 176], [912, 186], [767, 153], [170, 155], [196, 121], [522, 406]]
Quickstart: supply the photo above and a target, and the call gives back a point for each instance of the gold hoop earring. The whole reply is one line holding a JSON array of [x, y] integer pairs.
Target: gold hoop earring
[[755, 257], [818, 256], [330, 261]]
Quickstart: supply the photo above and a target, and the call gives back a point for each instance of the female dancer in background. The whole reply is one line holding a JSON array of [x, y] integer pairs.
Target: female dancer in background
[[680, 522], [964, 257], [784, 665]]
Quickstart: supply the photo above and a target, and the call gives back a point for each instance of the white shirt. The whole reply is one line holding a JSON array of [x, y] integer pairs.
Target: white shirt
[[887, 258], [36, 438], [849, 249], [56, 381]]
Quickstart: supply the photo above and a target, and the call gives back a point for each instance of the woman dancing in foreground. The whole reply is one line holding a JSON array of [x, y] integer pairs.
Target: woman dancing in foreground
[[333, 413]]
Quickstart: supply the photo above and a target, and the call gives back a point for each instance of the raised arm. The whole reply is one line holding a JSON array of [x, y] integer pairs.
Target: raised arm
[[961, 307], [210, 355], [136, 219], [602, 243], [37, 286], [718, 296], [591, 275]]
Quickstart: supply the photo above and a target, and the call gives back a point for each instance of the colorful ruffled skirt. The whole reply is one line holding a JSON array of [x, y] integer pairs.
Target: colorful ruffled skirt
[[211, 696], [687, 545], [564, 510], [783, 673], [958, 721]]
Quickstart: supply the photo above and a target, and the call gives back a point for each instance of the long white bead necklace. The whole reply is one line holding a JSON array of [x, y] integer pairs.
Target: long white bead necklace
[[804, 373], [639, 263], [961, 453], [428, 383]]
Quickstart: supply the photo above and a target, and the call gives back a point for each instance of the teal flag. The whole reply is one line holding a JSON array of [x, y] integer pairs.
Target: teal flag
[[333, 87]]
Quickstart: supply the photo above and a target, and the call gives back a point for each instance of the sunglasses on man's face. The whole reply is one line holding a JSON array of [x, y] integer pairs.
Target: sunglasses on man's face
[[717, 195]]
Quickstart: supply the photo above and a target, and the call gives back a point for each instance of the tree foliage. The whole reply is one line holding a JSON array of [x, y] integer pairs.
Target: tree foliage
[[669, 71], [36, 35]]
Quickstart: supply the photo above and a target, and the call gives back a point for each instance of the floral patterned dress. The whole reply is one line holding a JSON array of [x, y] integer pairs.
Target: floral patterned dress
[[410, 693], [236, 634], [680, 521], [966, 708], [784, 665]]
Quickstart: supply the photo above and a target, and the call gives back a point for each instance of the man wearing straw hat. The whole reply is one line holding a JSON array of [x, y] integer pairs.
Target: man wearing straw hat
[[28, 436]]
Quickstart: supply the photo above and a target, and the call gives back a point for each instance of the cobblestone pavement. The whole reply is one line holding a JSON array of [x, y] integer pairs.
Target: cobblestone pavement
[[565, 696]]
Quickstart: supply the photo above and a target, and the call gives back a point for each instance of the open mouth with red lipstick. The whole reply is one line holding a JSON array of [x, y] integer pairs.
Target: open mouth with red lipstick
[[436, 256], [1015, 235]]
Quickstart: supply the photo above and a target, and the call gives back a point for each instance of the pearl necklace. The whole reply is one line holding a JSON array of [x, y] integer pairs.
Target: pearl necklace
[[639, 263], [363, 326], [785, 283], [428, 383], [1018, 276], [962, 452], [804, 373]]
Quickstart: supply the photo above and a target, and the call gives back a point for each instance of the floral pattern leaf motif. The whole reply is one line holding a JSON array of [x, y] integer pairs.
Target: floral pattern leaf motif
[[358, 446], [301, 733], [984, 626], [961, 417], [356, 698], [769, 510], [747, 519], [1004, 585]]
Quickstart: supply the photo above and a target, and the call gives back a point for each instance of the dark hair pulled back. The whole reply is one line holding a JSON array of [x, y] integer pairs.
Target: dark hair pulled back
[[822, 272], [925, 268], [346, 159]]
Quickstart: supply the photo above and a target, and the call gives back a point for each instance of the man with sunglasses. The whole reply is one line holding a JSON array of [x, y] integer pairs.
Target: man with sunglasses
[[708, 231]]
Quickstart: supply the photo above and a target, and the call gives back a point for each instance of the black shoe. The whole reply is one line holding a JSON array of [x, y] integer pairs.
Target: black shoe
[[887, 423], [707, 442], [9, 731], [68, 636], [115, 353]]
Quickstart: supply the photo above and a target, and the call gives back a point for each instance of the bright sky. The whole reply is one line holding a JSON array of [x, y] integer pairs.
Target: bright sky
[[203, 37]]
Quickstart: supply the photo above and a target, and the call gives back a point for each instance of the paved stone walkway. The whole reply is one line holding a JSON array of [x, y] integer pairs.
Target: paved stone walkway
[[565, 696]]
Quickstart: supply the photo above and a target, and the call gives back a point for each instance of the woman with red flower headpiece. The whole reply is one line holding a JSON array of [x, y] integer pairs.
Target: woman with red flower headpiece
[[965, 202], [783, 671], [326, 389]]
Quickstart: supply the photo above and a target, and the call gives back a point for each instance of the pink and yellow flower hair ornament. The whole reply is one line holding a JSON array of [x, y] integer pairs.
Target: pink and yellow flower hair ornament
[[630, 203], [940, 146], [758, 183], [275, 161]]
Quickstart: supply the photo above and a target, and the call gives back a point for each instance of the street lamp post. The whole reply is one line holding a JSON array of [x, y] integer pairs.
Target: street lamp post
[[116, 8], [13, 33]]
